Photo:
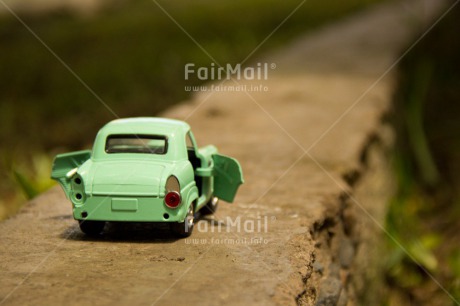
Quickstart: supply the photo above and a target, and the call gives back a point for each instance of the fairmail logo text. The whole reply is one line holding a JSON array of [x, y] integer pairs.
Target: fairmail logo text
[[257, 225], [228, 72]]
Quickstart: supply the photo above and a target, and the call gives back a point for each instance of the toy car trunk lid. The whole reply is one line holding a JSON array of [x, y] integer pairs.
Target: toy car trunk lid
[[140, 178]]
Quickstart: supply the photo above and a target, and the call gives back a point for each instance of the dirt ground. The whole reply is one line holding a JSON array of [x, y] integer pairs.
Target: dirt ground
[[302, 145]]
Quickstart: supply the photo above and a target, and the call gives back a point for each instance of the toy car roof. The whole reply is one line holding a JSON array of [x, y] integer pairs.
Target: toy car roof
[[145, 125]]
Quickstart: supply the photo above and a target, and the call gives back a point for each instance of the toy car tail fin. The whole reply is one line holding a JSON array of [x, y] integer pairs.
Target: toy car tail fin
[[64, 163]]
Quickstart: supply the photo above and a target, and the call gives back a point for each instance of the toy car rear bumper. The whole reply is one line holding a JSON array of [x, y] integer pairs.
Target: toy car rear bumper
[[129, 209]]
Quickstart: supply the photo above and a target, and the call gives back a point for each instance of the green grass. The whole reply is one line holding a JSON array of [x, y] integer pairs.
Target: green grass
[[424, 214], [133, 57]]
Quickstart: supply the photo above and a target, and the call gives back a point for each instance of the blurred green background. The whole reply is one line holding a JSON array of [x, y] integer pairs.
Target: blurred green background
[[132, 55], [424, 214]]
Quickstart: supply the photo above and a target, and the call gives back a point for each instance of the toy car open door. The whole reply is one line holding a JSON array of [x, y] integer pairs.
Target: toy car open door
[[228, 176], [63, 163]]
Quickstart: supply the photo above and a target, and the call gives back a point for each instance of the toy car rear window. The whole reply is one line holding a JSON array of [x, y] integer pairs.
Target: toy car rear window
[[149, 144]]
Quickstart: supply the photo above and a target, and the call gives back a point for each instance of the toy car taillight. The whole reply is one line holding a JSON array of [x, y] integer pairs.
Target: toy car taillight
[[172, 199]]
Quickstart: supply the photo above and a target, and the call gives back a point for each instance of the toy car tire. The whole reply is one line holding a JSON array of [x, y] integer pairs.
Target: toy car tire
[[91, 228], [184, 229], [211, 207]]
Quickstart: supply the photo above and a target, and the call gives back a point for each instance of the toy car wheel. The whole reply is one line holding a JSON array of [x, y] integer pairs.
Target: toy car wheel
[[91, 228], [210, 207], [184, 229]]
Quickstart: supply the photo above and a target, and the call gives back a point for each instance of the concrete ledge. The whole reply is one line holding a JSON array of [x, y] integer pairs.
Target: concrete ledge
[[313, 151]]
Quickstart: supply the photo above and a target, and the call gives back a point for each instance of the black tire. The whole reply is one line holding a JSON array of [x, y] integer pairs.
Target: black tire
[[91, 228], [211, 207], [185, 229]]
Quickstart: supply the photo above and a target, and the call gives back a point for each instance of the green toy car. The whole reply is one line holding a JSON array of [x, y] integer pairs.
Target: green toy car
[[146, 170]]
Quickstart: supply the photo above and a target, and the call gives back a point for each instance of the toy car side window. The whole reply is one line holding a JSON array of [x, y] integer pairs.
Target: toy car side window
[[194, 160], [189, 142]]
